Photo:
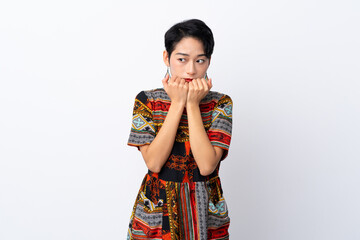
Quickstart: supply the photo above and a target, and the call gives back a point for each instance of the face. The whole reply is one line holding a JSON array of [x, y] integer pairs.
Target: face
[[188, 59]]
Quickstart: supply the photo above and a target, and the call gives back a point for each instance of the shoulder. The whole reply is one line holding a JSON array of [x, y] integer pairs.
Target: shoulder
[[217, 97], [153, 95], [222, 105]]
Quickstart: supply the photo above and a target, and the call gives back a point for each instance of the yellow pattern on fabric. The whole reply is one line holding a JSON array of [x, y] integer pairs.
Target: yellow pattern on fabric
[[141, 108]]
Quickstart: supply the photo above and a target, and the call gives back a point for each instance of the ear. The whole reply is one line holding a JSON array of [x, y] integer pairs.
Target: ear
[[166, 58]]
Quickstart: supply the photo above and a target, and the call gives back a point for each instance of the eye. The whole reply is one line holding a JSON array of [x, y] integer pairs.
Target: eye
[[201, 60], [181, 59]]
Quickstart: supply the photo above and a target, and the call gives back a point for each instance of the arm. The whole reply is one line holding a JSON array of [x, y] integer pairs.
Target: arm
[[206, 155], [157, 152]]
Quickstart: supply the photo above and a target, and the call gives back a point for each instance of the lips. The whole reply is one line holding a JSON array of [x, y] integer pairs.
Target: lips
[[188, 79]]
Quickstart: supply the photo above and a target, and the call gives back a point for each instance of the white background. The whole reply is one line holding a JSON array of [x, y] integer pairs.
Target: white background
[[70, 71]]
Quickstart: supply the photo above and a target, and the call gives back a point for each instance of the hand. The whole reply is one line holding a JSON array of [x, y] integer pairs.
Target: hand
[[177, 89], [198, 89]]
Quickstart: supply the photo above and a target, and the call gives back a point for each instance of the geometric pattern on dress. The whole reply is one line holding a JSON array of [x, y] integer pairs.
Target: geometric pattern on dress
[[172, 195], [219, 132], [187, 208], [146, 225], [139, 122], [149, 204], [202, 202], [225, 111], [180, 208], [215, 115], [183, 202], [182, 163], [219, 208], [218, 219], [150, 219], [228, 110]]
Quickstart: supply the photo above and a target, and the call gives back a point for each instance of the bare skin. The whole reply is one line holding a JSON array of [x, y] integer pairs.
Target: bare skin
[[191, 64], [205, 154], [156, 153]]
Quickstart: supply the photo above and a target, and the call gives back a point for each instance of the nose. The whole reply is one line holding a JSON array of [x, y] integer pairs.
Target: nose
[[190, 69]]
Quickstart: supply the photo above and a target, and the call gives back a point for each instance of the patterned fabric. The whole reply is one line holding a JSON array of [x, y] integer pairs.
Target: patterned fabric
[[178, 202]]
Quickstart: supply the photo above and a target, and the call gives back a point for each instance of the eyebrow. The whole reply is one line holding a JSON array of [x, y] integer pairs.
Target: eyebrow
[[185, 54]]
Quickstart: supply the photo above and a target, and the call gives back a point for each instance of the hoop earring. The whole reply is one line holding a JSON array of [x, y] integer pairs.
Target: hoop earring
[[168, 72], [206, 77]]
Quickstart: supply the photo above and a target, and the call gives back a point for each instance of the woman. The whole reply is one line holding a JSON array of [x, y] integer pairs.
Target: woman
[[183, 131]]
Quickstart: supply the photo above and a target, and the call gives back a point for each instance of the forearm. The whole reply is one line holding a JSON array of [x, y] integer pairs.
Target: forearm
[[160, 148], [201, 147]]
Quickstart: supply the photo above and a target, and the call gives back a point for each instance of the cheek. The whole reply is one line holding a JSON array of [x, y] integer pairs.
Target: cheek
[[205, 68], [176, 66], [174, 62]]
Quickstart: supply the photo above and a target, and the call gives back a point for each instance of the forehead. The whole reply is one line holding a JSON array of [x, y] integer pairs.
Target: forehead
[[189, 45]]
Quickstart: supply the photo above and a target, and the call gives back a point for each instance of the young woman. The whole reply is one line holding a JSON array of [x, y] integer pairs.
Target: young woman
[[183, 131]]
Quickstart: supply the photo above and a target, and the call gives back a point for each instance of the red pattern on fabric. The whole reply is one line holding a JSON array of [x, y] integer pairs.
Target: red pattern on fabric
[[187, 147], [176, 188], [218, 233], [150, 232], [219, 137], [194, 209]]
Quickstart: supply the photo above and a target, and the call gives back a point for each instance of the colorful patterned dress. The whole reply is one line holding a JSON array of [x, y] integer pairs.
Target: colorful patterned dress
[[178, 202]]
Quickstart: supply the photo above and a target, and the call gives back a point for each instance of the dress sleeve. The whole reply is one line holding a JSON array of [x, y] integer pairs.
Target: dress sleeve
[[221, 125], [142, 128]]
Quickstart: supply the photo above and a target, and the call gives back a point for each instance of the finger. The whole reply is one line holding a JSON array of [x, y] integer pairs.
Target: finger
[[186, 85], [181, 82], [165, 80], [190, 85], [201, 84], [210, 83], [173, 77], [195, 83], [177, 80], [204, 84]]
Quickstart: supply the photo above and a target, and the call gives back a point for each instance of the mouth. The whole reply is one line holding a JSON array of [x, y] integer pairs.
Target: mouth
[[188, 79]]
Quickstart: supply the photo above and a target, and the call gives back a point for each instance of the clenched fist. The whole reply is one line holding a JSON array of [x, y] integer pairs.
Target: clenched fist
[[198, 89], [176, 88]]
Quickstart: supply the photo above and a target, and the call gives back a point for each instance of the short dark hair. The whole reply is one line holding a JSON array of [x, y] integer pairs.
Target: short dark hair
[[190, 28]]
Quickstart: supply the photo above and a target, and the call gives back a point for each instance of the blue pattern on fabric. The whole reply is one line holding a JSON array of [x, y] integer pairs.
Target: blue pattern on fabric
[[138, 122]]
